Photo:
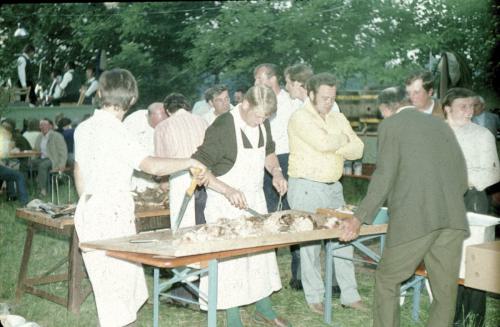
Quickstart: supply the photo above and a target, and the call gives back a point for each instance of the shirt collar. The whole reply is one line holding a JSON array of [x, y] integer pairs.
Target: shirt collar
[[430, 108], [404, 108]]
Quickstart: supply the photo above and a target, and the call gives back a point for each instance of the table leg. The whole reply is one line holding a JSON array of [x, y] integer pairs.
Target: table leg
[[24, 262], [212, 293], [156, 295], [328, 282], [76, 294]]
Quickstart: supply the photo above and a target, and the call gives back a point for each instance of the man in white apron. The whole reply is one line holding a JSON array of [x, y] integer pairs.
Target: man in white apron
[[105, 157], [237, 146]]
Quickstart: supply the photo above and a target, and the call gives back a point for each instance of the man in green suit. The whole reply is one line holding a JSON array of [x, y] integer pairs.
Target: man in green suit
[[421, 173]]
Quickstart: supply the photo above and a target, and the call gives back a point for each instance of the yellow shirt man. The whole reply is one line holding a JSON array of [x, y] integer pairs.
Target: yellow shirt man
[[319, 146]]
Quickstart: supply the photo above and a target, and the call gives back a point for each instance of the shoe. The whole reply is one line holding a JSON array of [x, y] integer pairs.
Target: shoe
[[356, 306], [318, 308], [295, 284], [260, 320]]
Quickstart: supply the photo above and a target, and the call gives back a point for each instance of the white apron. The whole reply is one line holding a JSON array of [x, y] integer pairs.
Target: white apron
[[249, 278], [178, 184], [119, 286]]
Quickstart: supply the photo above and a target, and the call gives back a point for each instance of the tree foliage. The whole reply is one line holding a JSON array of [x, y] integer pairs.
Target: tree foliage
[[174, 46]]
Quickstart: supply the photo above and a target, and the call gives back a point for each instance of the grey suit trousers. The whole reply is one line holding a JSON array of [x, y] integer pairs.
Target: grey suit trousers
[[441, 252], [308, 196]]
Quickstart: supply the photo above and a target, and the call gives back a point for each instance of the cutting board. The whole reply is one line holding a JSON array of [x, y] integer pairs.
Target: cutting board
[[166, 244]]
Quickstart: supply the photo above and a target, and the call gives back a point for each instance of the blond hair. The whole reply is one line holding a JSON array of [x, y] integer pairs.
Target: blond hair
[[262, 99]]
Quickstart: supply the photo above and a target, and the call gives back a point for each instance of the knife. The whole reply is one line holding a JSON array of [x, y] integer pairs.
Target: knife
[[187, 197], [255, 213]]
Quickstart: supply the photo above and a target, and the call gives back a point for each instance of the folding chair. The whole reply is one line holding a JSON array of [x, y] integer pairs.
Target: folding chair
[[55, 177]]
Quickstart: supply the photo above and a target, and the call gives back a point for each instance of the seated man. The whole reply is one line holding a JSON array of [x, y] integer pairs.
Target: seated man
[[54, 153], [70, 85], [16, 183], [90, 86]]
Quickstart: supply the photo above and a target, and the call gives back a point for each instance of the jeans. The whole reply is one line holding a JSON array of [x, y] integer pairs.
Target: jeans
[[15, 182]]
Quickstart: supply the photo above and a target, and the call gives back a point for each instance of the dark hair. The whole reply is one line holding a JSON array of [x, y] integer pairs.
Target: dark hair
[[48, 120], [56, 71], [90, 67], [317, 80], [214, 91], [271, 69], [299, 73], [176, 101], [63, 122], [71, 64], [425, 76], [457, 93], [392, 96], [33, 125], [117, 87], [12, 124], [29, 48]]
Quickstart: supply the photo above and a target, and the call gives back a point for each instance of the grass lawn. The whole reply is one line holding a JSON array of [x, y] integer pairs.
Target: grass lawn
[[290, 304]]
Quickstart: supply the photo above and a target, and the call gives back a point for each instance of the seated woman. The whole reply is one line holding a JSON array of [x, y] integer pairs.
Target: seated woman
[[237, 147]]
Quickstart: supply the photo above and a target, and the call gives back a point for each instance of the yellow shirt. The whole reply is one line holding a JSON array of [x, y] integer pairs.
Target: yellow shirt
[[318, 147]]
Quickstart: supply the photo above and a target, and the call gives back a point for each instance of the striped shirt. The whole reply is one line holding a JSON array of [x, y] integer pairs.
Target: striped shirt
[[179, 135]]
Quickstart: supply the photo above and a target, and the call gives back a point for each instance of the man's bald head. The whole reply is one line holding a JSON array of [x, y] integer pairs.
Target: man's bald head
[[156, 113]]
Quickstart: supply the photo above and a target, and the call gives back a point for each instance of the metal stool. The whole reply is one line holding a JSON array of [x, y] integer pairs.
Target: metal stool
[[54, 183]]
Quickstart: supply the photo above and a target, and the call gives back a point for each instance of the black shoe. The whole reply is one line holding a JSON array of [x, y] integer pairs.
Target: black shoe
[[295, 284], [12, 198]]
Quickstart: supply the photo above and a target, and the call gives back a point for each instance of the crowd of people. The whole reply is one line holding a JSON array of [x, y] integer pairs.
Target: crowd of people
[[65, 86], [277, 149]]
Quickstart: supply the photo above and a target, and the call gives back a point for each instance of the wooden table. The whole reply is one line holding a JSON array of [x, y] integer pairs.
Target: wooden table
[[23, 154], [138, 253], [75, 274]]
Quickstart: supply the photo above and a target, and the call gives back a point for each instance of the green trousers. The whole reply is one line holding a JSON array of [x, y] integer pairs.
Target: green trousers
[[441, 252]]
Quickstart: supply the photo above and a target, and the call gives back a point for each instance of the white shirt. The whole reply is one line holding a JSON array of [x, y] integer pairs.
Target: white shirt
[[43, 145], [92, 87], [200, 108], [55, 88], [279, 121], [480, 152], [31, 136], [21, 69], [138, 126], [429, 109], [106, 153], [209, 116], [67, 78]]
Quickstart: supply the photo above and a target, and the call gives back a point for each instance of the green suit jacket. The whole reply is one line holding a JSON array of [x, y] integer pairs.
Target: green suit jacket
[[57, 151], [421, 173]]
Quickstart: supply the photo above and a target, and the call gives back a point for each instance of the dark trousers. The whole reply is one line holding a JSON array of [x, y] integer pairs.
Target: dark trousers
[[272, 201], [16, 183], [471, 303], [200, 201]]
